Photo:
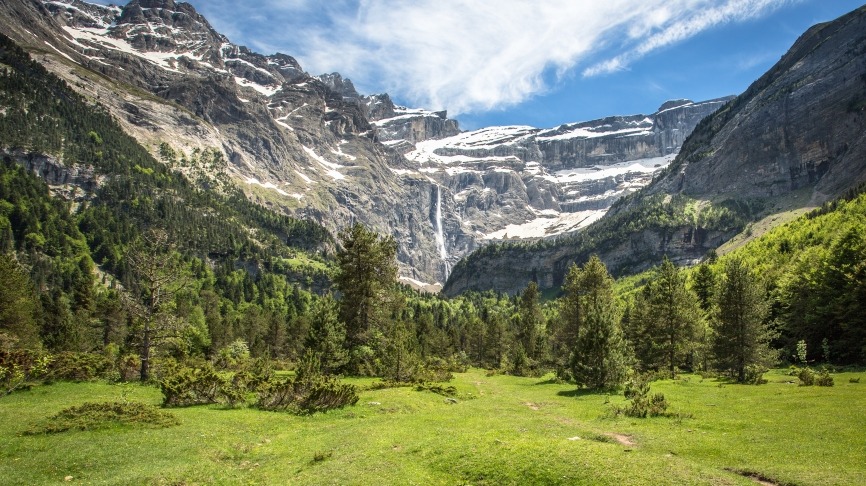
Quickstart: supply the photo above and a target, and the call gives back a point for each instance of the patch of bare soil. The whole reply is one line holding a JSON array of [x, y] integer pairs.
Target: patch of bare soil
[[532, 406], [623, 439]]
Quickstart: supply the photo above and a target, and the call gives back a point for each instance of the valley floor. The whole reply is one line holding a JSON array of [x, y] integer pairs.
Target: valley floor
[[502, 430]]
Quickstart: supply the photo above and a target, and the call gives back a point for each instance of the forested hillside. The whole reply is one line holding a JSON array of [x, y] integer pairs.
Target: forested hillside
[[249, 265]]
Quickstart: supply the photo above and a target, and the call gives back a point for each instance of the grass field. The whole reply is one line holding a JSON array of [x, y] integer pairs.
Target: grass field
[[503, 430]]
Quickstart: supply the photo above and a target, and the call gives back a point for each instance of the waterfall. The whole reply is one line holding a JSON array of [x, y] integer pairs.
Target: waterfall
[[440, 236]]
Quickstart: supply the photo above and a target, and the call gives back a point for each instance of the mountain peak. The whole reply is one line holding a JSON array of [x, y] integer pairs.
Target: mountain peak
[[674, 104]]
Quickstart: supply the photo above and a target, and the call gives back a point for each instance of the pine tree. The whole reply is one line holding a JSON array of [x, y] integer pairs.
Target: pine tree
[[666, 317], [18, 305], [367, 282], [741, 337], [530, 322], [159, 276], [704, 283], [327, 335], [598, 358]]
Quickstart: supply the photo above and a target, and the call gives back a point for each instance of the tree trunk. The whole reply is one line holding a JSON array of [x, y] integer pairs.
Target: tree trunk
[[145, 354]]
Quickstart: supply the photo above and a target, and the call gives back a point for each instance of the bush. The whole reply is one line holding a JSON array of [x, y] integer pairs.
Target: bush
[[755, 375], [129, 367], [433, 369], [854, 380], [309, 392], [824, 378], [94, 416], [79, 366], [642, 404], [806, 377], [19, 369], [445, 391], [307, 396], [186, 386]]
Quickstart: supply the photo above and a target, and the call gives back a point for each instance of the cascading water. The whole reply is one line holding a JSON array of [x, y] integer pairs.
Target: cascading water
[[440, 236]]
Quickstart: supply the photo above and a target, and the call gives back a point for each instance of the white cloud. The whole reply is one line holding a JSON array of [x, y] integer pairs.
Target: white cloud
[[670, 29], [466, 55], [470, 55]]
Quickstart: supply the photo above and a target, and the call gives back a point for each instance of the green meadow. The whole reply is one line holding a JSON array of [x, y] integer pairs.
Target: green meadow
[[501, 430]]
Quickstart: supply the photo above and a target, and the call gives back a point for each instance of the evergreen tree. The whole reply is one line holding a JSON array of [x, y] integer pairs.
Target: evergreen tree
[[18, 306], [160, 275], [566, 328], [741, 337], [667, 318], [704, 283], [598, 358], [530, 322], [367, 281], [327, 335]]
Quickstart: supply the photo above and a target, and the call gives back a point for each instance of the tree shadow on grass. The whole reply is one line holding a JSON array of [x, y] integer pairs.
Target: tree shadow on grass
[[579, 393], [551, 381]]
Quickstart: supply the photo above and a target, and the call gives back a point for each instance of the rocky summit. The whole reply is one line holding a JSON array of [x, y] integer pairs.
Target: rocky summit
[[313, 147]]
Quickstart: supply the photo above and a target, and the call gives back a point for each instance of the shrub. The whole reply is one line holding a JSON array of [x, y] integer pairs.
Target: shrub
[[824, 378], [79, 366], [642, 404], [433, 369], [384, 384], [309, 392], [18, 369], [186, 386], [307, 396], [446, 391], [854, 380], [806, 377], [94, 416], [129, 367], [755, 375]]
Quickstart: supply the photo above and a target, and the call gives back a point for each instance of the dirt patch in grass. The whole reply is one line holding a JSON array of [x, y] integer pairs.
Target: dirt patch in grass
[[623, 439], [532, 406]]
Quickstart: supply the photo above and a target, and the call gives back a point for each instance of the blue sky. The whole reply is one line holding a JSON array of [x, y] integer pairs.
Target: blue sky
[[520, 62]]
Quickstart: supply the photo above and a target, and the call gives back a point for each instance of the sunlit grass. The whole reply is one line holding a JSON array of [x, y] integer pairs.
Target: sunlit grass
[[502, 430]]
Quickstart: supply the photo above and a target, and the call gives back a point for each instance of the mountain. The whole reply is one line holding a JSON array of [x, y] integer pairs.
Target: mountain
[[794, 139], [315, 148], [521, 182]]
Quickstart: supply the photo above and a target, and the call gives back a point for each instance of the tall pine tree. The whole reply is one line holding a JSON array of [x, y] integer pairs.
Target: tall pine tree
[[741, 336], [598, 358], [367, 282]]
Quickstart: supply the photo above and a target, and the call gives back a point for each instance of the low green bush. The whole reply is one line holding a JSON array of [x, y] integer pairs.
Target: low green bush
[[824, 378], [186, 386], [755, 375], [806, 377], [308, 392], [95, 416], [20, 369], [446, 391], [641, 403], [71, 366]]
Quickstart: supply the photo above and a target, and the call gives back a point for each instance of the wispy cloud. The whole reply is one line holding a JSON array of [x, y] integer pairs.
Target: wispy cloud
[[670, 29], [469, 55]]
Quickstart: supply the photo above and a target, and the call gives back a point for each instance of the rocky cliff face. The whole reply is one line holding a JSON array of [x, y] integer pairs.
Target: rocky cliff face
[[800, 128], [527, 183]]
